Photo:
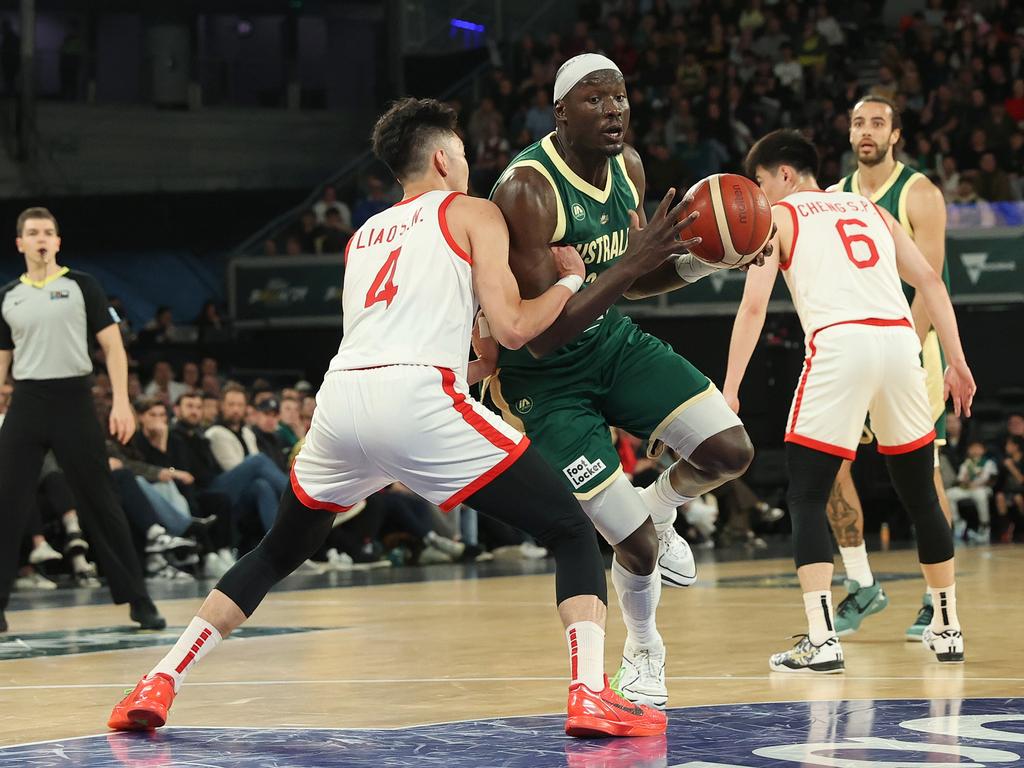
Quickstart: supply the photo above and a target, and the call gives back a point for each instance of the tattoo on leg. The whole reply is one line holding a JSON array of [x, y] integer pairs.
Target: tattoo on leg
[[844, 518]]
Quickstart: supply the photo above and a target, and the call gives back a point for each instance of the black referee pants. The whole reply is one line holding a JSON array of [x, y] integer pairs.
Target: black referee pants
[[58, 414]]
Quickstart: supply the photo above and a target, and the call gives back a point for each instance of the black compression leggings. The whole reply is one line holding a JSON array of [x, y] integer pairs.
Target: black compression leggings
[[528, 495]]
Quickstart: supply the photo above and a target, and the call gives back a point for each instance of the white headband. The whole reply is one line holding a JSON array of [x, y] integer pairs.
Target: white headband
[[578, 67]]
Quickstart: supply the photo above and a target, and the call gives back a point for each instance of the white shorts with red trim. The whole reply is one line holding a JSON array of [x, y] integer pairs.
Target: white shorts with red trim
[[411, 423], [858, 368]]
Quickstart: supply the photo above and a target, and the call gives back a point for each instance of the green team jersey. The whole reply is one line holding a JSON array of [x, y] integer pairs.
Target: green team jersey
[[596, 222], [892, 196]]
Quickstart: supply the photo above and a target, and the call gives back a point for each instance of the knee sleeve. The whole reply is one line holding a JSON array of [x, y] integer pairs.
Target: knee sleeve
[[912, 475], [531, 497], [811, 474], [295, 536], [687, 429], [617, 511]]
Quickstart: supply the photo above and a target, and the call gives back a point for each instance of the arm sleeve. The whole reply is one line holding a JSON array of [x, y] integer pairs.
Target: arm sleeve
[[98, 312]]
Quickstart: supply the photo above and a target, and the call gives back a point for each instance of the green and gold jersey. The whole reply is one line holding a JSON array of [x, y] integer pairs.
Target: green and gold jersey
[[892, 196], [595, 221]]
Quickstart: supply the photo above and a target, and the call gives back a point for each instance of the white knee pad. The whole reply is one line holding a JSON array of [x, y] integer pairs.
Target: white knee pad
[[695, 421], [617, 511]]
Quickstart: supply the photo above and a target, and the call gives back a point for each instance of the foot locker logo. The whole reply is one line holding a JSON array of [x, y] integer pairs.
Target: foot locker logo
[[582, 471]]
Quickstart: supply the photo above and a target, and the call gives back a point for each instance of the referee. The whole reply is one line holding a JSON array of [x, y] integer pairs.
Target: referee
[[47, 317]]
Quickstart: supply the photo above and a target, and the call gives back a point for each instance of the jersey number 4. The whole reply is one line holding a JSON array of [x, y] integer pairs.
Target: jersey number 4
[[867, 260], [384, 288]]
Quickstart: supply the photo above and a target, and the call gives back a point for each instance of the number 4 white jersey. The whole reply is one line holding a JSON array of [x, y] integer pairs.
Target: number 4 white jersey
[[408, 295], [842, 263]]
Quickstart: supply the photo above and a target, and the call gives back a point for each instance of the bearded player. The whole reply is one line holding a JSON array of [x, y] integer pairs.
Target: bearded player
[[593, 368], [875, 131]]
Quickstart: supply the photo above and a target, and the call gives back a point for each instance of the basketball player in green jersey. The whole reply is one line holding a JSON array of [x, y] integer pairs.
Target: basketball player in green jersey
[[593, 368], [917, 204]]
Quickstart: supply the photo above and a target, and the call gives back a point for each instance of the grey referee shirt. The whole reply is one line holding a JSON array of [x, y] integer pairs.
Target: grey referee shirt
[[51, 324]]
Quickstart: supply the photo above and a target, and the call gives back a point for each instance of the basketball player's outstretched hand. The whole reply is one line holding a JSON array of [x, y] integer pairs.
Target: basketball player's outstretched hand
[[661, 239], [568, 261], [959, 384]]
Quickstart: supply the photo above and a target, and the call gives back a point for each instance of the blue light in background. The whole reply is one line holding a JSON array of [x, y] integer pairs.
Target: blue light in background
[[471, 26]]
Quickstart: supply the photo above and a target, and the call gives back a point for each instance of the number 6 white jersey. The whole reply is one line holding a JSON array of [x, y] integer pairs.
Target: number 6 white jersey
[[408, 296], [842, 263]]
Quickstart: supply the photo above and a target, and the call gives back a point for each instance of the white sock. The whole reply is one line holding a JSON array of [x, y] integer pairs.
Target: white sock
[[154, 530], [638, 599], [818, 607], [196, 641], [586, 654], [944, 603], [663, 501], [71, 523], [855, 561]]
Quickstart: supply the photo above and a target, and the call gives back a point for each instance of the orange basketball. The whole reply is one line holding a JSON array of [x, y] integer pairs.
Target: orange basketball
[[735, 219]]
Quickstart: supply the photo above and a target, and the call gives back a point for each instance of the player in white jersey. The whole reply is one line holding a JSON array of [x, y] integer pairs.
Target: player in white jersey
[[842, 258], [394, 405]]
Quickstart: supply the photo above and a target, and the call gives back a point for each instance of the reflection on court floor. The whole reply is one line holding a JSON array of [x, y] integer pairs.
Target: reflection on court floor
[[844, 734]]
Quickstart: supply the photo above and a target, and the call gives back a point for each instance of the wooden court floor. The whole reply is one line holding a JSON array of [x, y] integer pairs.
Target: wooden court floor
[[405, 654]]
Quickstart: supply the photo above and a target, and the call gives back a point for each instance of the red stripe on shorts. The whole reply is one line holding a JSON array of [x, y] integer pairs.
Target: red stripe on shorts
[[484, 428], [309, 501]]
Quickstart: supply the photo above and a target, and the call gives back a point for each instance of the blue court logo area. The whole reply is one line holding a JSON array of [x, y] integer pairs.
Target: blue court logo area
[[92, 640], [845, 734]]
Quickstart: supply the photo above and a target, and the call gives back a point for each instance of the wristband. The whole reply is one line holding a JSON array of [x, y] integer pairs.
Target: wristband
[[691, 269], [572, 282]]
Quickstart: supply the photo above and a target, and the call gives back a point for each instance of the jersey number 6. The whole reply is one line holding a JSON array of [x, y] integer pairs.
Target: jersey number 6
[[383, 288], [859, 237]]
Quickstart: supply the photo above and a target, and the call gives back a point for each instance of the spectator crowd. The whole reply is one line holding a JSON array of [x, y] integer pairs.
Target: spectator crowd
[[707, 79]]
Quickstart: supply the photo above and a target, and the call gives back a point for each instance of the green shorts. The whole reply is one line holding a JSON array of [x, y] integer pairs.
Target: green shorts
[[630, 380]]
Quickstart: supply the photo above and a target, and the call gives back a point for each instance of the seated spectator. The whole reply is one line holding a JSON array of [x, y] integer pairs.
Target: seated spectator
[[265, 427], [485, 122], [330, 202], [977, 475], [1015, 103], [209, 409], [293, 246], [209, 324], [333, 236], [190, 376], [246, 475], [290, 428], [540, 118], [161, 329], [373, 202], [1010, 489], [163, 387], [306, 231], [991, 182]]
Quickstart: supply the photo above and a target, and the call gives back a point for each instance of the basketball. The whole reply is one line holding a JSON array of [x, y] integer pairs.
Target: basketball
[[735, 219]]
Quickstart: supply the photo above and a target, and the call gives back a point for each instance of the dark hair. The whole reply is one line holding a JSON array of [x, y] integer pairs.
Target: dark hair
[[35, 213], [874, 98], [189, 394], [405, 135], [782, 147], [146, 404]]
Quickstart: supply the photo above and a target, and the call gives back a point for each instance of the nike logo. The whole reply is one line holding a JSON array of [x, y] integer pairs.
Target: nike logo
[[634, 710]]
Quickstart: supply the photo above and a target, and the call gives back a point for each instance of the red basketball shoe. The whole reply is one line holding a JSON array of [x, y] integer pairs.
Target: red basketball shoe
[[145, 708], [593, 715]]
